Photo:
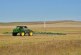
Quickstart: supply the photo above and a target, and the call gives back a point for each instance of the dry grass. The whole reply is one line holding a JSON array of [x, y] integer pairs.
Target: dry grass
[[41, 45], [54, 47], [69, 44], [49, 29]]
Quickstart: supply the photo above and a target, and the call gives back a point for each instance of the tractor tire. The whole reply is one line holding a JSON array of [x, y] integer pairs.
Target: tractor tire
[[14, 34], [30, 33], [22, 34]]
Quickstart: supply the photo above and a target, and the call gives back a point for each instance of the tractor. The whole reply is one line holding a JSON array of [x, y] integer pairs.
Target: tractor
[[22, 31]]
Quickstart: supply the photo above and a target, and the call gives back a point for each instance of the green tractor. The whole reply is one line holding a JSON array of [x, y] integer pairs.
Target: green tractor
[[22, 31]]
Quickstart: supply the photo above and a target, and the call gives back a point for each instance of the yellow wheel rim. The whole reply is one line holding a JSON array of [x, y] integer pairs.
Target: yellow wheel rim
[[31, 33], [22, 34]]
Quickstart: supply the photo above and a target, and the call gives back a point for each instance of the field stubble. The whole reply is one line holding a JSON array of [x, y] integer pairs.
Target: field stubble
[[69, 44]]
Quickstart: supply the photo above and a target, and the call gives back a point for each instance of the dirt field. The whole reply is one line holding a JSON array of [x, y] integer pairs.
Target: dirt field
[[69, 44]]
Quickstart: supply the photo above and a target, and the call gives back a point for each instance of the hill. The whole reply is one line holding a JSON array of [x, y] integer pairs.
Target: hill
[[41, 22]]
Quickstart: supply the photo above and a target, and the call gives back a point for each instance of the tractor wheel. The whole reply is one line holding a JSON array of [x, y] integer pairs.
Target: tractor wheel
[[14, 34], [22, 34], [30, 33]]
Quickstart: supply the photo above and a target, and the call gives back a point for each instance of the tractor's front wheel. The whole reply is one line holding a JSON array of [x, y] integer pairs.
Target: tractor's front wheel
[[22, 34], [30, 33], [14, 34]]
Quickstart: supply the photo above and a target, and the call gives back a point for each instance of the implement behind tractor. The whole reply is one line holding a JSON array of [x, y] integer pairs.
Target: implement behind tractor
[[22, 30]]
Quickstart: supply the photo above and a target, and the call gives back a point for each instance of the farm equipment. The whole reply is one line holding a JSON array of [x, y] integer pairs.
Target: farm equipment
[[22, 30]]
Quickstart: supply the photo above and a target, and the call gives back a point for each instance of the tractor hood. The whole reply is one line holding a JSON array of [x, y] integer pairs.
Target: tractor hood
[[15, 29]]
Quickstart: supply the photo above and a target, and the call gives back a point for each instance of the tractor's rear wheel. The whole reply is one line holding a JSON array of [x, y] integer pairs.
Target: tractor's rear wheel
[[22, 34], [30, 33], [14, 34]]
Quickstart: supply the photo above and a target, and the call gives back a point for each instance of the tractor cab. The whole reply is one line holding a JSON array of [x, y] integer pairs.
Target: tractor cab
[[21, 26]]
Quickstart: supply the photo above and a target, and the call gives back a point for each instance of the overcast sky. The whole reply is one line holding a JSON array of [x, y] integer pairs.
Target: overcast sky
[[39, 10]]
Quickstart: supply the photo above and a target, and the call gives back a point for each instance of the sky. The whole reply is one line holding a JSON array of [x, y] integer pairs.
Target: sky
[[39, 10]]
